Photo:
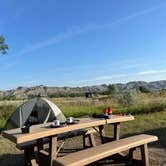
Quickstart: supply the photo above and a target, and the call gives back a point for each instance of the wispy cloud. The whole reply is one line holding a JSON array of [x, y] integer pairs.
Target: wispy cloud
[[137, 14], [74, 31], [54, 40], [111, 78], [150, 72]]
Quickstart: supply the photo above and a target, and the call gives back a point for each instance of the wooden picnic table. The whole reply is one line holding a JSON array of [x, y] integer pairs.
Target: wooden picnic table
[[38, 132]]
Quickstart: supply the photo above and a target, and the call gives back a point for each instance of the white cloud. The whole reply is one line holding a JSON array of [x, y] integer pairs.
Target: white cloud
[[150, 72], [119, 77]]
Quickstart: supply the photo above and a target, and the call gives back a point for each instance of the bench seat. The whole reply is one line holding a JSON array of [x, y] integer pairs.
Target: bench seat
[[96, 153], [32, 144]]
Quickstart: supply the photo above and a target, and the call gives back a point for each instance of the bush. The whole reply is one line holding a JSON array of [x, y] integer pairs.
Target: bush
[[126, 99]]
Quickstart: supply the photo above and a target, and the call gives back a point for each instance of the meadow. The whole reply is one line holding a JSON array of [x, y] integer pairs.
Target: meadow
[[138, 104], [149, 110]]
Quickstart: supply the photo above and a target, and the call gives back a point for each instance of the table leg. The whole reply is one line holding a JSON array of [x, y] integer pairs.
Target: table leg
[[39, 144], [53, 149], [116, 131], [39, 148], [144, 154], [102, 133], [28, 155]]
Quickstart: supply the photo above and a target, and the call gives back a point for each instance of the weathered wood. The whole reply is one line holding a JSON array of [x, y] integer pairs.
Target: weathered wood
[[28, 155], [88, 139], [96, 153], [102, 133], [92, 140], [28, 147], [144, 154], [39, 144], [52, 149], [33, 162], [44, 158], [116, 131], [33, 144], [42, 131], [130, 155]]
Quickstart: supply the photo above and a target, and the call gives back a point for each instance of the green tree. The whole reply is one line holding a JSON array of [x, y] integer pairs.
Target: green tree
[[3, 45], [111, 89], [143, 89]]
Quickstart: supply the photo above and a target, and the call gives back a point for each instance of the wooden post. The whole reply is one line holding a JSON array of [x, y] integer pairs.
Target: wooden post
[[88, 139], [39, 144], [144, 154], [116, 131], [131, 154], [53, 149], [33, 162], [28, 155], [101, 132], [84, 141], [92, 140], [39, 148]]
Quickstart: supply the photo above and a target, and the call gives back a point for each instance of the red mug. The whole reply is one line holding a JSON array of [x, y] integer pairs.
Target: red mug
[[107, 110]]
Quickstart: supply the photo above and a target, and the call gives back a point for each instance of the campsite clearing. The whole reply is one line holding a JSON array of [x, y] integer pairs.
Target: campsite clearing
[[148, 109], [157, 150]]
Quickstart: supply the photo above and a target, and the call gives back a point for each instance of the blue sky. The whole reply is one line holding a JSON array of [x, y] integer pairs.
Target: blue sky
[[82, 42]]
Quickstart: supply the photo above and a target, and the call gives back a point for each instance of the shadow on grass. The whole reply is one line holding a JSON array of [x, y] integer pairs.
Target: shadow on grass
[[12, 160], [160, 133]]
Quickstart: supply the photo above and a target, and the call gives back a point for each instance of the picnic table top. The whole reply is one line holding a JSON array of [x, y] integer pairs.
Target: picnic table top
[[44, 130]]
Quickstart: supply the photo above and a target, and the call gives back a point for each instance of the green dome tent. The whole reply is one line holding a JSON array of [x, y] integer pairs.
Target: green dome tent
[[35, 111]]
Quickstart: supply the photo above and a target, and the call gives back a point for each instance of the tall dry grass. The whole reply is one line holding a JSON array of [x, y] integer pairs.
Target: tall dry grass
[[79, 106]]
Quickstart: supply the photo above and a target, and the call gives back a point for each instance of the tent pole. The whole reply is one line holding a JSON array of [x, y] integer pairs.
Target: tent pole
[[20, 117]]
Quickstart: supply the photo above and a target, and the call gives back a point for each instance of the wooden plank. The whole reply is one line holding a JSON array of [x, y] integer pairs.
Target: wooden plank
[[33, 162], [39, 131], [42, 130], [92, 140], [131, 154], [116, 131], [88, 139], [39, 144], [31, 144], [46, 158], [144, 154], [116, 119], [53, 149], [99, 152], [28, 155], [102, 133], [43, 158]]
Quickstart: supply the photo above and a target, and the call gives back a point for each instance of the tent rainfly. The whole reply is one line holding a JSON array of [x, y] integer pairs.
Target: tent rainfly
[[35, 111]]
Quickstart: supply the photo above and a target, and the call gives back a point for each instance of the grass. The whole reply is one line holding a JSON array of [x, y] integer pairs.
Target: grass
[[79, 106], [5, 113], [148, 109], [154, 123]]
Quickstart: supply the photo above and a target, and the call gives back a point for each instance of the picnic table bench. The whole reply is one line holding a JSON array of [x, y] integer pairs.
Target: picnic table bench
[[96, 153], [40, 133], [29, 147], [86, 133]]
